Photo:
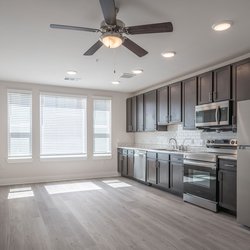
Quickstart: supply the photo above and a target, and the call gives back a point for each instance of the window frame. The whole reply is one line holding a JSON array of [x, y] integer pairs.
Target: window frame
[[107, 155], [64, 157], [18, 159]]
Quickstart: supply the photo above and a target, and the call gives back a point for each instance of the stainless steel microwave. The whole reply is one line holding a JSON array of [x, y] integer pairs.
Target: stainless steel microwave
[[213, 115]]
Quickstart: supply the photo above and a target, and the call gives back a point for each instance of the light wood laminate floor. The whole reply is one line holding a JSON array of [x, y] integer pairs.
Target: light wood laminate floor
[[110, 214]]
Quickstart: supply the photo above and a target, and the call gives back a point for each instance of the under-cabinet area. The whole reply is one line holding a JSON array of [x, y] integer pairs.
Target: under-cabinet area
[[200, 178]]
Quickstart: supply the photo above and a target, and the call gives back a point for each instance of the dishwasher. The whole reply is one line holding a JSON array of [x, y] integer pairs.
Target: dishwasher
[[140, 165]]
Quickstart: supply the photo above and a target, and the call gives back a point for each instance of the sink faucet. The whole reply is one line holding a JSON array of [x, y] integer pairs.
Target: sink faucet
[[174, 146]]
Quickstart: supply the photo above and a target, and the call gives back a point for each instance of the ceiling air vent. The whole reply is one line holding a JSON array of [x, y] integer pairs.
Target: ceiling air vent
[[127, 75], [75, 79]]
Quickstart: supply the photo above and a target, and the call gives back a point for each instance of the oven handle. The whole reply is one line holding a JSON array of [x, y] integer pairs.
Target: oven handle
[[200, 164]]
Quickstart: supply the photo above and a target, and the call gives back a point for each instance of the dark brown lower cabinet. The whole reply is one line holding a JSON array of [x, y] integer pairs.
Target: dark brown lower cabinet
[[163, 173], [227, 185], [176, 174], [151, 168], [124, 163], [130, 163], [163, 170]]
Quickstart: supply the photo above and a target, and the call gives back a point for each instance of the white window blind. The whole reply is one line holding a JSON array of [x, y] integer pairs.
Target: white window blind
[[63, 125], [19, 124], [102, 127]]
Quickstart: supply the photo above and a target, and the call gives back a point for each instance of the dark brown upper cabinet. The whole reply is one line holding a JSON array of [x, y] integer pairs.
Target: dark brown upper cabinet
[[150, 111], [162, 106], [215, 86], [131, 114], [222, 84], [241, 80], [175, 102], [139, 113], [189, 101], [205, 88], [241, 84]]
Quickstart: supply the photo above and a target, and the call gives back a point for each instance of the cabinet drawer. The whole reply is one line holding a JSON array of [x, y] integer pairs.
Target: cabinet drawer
[[163, 157], [227, 164], [130, 151], [152, 155], [176, 158]]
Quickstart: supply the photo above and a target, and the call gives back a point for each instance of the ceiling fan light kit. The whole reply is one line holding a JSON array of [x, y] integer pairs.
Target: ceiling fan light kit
[[113, 31], [112, 40]]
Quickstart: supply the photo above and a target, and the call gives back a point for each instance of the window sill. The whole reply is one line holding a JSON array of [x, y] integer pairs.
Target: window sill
[[102, 156], [63, 158], [19, 160]]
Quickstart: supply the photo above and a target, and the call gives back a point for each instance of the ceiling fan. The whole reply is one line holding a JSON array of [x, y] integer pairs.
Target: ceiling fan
[[112, 30]]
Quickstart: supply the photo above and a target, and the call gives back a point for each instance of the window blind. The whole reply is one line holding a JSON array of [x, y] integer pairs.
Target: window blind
[[102, 127], [62, 125], [19, 124]]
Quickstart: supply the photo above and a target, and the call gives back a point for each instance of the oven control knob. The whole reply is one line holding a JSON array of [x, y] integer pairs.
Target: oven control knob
[[208, 141], [232, 142], [212, 141]]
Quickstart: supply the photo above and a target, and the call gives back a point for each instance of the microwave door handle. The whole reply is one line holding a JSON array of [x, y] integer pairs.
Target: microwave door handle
[[216, 115]]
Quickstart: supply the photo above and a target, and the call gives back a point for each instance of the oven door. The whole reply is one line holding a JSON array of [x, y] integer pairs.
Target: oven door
[[200, 179]]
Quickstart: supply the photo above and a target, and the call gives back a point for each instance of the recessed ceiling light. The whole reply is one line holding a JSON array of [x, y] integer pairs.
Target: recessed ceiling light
[[71, 72], [115, 82], [221, 26], [168, 54], [137, 71]]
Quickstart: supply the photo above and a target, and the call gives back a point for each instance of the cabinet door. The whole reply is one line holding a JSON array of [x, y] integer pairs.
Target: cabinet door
[[151, 171], [119, 161], [124, 165], [130, 164], [176, 177], [162, 106], [129, 114], [189, 101], [150, 111], [222, 84], [163, 173], [133, 114], [227, 189], [241, 84], [139, 113], [175, 103], [205, 88]]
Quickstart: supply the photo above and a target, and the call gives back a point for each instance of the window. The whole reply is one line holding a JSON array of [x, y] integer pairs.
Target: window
[[19, 124], [102, 127], [62, 125]]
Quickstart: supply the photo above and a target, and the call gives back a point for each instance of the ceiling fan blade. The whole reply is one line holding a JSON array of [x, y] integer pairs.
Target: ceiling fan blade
[[135, 48], [91, 51], [150, 28], [67, 27], [109, 11]]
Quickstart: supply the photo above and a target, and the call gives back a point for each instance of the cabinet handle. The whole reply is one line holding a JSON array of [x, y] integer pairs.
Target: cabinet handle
[[210, 96], [215, 95], [229, 165]]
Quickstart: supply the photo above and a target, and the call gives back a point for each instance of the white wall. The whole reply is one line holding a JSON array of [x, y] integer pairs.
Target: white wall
[[47, 170]]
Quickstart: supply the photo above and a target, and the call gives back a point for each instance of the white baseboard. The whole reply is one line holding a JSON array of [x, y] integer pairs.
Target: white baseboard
[[41, 179]]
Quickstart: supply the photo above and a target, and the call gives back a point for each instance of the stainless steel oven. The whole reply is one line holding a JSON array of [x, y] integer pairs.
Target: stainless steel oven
[[213, 114], [200, 180]]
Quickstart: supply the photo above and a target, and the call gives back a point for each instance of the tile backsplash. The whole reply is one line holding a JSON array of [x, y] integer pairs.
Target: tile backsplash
[[189, 138]]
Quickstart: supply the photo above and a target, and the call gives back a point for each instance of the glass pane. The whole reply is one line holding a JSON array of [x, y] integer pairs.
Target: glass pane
[[199, 178], [206, 116], [19, 124], [102, 127], [63, 125]]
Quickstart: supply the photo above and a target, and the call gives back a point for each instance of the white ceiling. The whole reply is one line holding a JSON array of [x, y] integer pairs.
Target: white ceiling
[[32, 52]]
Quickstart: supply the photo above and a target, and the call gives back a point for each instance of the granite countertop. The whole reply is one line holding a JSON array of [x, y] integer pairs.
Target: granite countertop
[[169, 151]]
